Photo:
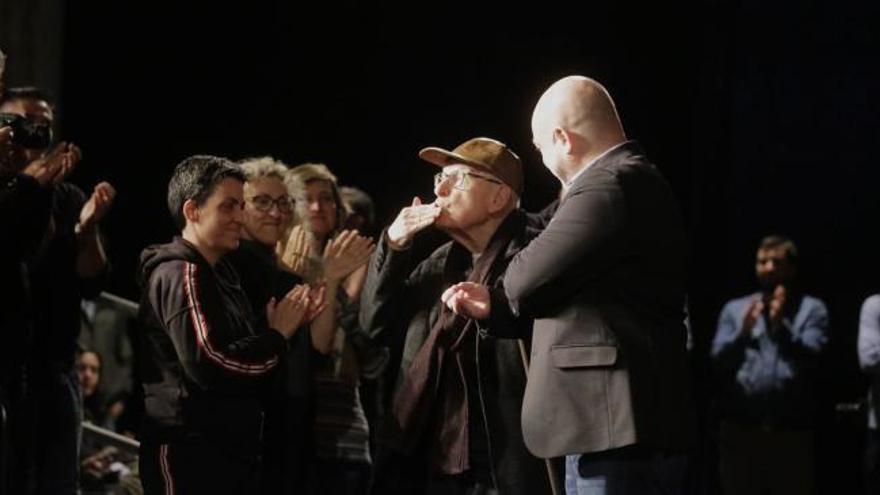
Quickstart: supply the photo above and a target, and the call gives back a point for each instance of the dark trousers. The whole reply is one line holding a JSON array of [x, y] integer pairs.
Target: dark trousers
[[399, 474], [287, 449], [467, 483], [625, 471], [197, 466], [12, 451], [57, 428], [338, 477], [16, 444]]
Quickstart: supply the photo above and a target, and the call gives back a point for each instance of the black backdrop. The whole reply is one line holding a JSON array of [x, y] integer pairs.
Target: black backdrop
[[762, 115]]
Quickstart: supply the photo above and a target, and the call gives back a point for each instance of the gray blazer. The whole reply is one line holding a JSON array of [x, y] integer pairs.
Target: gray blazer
[[605, 283]]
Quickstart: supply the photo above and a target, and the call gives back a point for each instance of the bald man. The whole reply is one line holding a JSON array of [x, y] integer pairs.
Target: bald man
[[605, 283]]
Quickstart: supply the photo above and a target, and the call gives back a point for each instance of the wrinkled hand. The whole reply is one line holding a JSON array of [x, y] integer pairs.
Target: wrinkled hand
[[295, 253], [410, 221], [468, 299], [96, 207], [56, 165], [287, 313], [344, 254]]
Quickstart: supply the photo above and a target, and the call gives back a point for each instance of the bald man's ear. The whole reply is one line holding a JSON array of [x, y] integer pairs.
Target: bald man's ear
[[191, 211], [563, 139]]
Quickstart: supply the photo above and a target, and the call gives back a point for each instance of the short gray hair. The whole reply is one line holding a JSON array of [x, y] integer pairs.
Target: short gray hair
[[264, 166]]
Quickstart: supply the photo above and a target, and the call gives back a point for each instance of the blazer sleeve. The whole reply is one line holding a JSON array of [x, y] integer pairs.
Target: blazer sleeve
[[581, 242], [211, 351], [502, 322]]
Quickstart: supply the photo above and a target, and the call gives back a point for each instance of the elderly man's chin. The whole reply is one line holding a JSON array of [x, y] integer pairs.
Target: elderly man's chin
[[444, 223]]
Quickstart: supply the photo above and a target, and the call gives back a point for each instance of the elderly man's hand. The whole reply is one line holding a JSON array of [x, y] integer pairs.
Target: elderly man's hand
[[468, 299], [409, 221]]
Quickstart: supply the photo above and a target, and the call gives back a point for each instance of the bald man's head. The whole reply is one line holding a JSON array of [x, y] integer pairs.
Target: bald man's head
[[574, 121]]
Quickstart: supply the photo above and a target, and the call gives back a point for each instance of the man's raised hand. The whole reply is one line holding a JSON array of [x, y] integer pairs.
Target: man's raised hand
[[410, 221]]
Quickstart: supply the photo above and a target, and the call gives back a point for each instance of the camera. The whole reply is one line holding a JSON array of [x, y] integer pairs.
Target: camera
[[27, 133]]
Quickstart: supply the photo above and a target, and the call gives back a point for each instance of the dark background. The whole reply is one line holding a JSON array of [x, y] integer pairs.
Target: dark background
[[763, 116]]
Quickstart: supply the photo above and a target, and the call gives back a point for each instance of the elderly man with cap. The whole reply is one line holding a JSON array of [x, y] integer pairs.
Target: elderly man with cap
[[605, 283], [453, 425]]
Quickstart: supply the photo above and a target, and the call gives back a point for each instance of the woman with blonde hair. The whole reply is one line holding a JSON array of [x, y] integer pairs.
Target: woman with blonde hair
[[342, 452]]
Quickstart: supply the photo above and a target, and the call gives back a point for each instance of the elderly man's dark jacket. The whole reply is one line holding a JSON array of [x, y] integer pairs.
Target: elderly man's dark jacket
[[400, 304]]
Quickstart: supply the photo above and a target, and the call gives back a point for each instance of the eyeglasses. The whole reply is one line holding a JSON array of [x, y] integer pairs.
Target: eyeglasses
[[460, 180], [264, 203]]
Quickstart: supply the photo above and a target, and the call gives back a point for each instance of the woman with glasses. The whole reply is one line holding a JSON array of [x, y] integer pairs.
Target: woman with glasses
[[268, 211]]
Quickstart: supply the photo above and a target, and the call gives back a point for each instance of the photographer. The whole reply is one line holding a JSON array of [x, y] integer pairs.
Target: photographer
[[68, 263], [25, 205]]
